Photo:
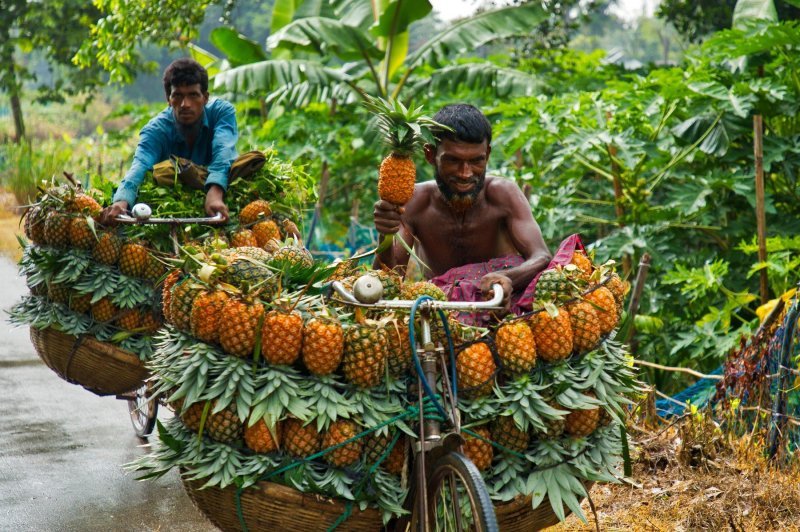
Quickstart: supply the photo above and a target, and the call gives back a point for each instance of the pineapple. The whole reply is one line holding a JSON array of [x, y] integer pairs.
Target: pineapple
[[254, 211], [340, 431], [242, 238], [403, 132], [281, 337], [247, 270], [479, 452], [58, 293], [107, 249], [129, 319], [260, 439], [553, 334], [391, 281], [153, 270], [323, 345], [150, 323], [506, 433], [375, 446], [585, 326], [365, 354], [80, 303], [265, 231], [516, 347], [398, 347], [34, 224], [104, 310], [84, 204], [166, 291], [341, 269], [554, 428], [475, 369], [241, 320], [191, 416], [422, 288], [80, 233], [300, 440], [581, 423], [293, 255], [205, 317], [619, 289], [583, 263], [56, 229], [554, 285], [224, 426], [133, 259], [180, 308], [605, 306]]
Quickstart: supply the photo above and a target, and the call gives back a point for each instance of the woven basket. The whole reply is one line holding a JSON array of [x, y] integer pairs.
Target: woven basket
[[276, 507], [518, 516], [99, 367]]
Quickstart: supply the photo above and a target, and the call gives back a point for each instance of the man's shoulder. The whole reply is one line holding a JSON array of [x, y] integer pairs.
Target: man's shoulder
[[217, 105], [501, 186]]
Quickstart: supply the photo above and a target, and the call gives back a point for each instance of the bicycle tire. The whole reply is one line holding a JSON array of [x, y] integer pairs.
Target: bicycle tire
[[143, 411], [455, 467]]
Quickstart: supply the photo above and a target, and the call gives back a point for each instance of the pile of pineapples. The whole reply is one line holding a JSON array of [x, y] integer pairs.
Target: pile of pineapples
[[271, 380]]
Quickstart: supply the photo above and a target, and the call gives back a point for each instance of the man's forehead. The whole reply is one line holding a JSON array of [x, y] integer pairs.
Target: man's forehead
[[185, 89], [459, 148]]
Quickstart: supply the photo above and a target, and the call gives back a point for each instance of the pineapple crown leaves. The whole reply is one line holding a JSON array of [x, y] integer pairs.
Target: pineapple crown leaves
[[404, 129]]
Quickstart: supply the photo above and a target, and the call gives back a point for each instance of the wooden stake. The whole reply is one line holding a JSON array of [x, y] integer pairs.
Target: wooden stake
[[761, 218]]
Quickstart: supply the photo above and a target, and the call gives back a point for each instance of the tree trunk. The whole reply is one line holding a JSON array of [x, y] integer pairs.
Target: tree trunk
[[19, 122]]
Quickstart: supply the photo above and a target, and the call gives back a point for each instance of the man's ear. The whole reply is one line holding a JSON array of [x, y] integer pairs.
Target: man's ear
[[430, 153], [205, 97], [488, 151]]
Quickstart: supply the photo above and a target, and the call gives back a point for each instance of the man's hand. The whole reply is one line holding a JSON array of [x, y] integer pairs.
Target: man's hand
[[497, 278], [214, 202], [387, 217], [108, 216]]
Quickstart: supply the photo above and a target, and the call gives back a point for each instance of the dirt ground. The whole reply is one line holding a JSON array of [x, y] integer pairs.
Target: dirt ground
[[9, 228]]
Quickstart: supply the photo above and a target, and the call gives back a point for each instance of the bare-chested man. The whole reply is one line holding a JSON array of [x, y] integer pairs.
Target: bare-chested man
[[464, 217]]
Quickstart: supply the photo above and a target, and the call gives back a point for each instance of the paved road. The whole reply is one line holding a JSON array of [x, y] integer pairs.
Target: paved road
[[61, 448]]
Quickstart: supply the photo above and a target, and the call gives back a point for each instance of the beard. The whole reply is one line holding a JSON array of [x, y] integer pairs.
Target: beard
[[459, 201]]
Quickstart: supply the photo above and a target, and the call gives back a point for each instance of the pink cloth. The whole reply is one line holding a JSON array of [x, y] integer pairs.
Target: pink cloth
[[463, 283]]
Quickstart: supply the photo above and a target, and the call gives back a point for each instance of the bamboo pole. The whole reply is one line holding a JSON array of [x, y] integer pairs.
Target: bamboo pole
[[761, 218]]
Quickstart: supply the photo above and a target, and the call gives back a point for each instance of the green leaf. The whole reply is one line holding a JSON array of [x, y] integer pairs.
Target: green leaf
[[282, 13], [209, 61], [239, 49], [398, 16], [484, 77], [322, 36], [748, 11]]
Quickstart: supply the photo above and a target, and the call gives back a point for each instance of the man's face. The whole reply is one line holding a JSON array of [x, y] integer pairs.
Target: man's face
[[188, 102], [460, 170]]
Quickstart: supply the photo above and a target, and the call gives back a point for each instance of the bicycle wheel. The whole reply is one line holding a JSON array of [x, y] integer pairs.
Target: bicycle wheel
[[457, 497], [143, 410]]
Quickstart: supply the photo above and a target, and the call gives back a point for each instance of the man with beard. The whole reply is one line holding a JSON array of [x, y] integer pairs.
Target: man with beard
[[468, 229], [193, 128]]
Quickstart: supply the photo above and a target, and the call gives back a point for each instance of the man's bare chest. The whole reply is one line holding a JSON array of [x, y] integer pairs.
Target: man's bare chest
[[459, 238]]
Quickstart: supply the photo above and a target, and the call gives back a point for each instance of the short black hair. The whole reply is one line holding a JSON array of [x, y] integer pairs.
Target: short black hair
[[468, 124], [182, 72]]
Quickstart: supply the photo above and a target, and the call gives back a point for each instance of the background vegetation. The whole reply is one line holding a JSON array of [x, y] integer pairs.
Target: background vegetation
[[637, 133]]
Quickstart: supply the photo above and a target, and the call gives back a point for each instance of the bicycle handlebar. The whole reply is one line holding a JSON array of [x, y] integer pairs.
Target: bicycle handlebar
[[141, 215], [464, 306]]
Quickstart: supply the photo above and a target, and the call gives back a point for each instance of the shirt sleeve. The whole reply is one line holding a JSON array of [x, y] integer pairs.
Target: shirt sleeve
[[151, 139], [223, 147]]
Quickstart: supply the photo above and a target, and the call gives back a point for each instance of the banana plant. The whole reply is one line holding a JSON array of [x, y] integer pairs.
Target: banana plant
[[347, 49]]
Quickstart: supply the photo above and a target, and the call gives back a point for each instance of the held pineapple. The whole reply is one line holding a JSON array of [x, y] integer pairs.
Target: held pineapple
[[339, 432], [479, 451], [301, 440], [404, 131], [365, 354], [260, 439], [323, 345], [281, 337], [553, 334], [516, 347], [475, 370]]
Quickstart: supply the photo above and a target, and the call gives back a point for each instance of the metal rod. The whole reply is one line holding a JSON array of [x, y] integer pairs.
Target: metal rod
[[466, 306], [213, 220]]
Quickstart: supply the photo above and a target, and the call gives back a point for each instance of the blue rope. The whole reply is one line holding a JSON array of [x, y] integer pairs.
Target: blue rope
[[425, 384]]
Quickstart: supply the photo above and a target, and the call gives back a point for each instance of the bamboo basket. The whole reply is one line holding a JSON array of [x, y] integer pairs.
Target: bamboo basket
[[518, 516], [272, 506], [101, 368]]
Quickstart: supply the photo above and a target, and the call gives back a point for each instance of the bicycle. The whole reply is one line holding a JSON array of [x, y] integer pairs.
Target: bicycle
[[142, 406], [448, 490]]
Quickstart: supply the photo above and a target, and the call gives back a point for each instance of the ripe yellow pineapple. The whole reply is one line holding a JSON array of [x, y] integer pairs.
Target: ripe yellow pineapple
[[129, 319], [301, 440], [340, 431], [80, 233], [260, 439], [375, 445], [56, 229], [585, 326], [479, 452], [619, 289], [606, 308], [404, 131], [553, 334], [398, 347], [475, 368], [133, 259], [81, 303], [265, 231], [192, 415], [242, 238], [253, 211], [224, 426], [180, 307], [506, 433], [584, 264], [103, 310], [422, 288], [281, 337], [323, 345], [107, 249], [166, 291], [365, 354], [205, 318], [241, 319], [58, 293], [80, 202], [516, 347], [581, 423], [150, 322], [34, 224]]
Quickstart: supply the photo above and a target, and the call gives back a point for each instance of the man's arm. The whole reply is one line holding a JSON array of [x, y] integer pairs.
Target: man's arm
[[223, 146], [389, 221]]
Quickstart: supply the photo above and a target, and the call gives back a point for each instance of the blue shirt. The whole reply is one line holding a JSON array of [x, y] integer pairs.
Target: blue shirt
[[215, 147]]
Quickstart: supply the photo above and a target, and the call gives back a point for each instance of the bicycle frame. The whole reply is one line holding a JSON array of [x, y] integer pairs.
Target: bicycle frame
[[431, 443]]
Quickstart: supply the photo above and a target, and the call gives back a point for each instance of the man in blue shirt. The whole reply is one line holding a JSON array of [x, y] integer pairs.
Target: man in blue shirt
[[194, 128]]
